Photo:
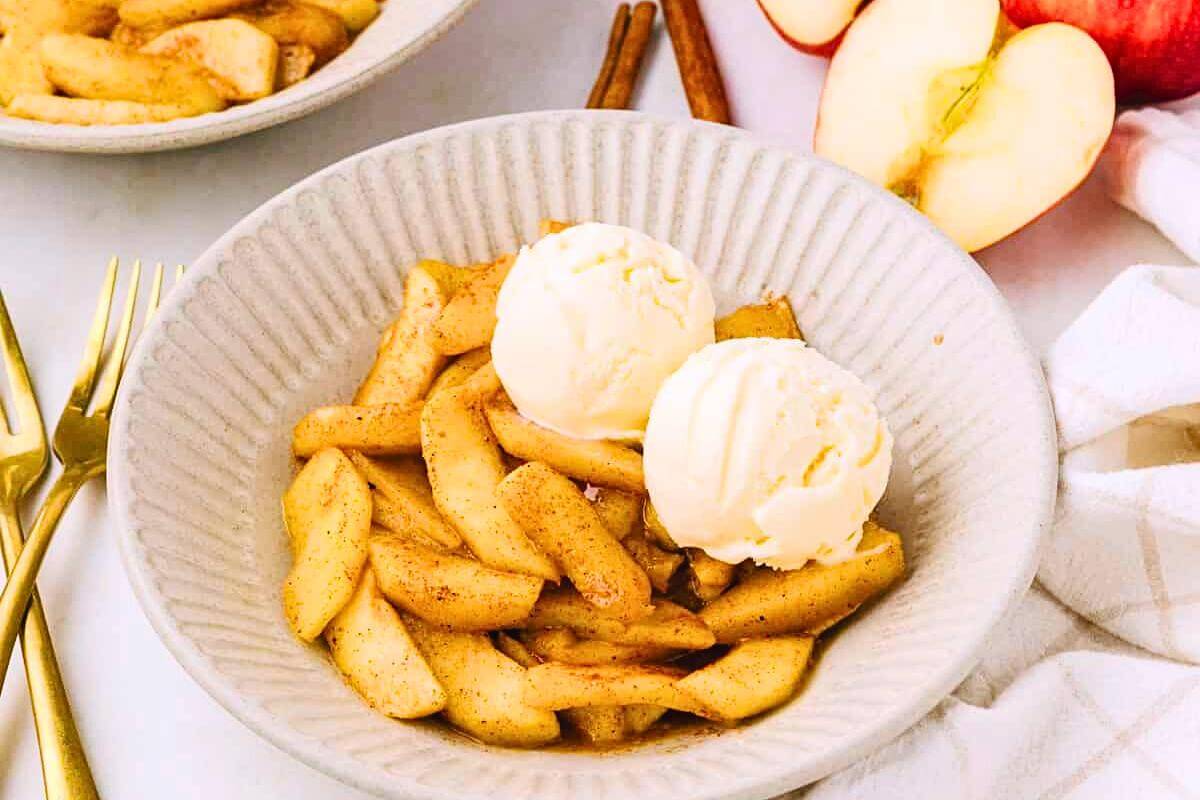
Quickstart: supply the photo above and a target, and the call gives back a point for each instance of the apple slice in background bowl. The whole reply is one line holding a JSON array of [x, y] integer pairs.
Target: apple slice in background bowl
[[814, 26], [1153, 45], [980, 126], [310, 39]]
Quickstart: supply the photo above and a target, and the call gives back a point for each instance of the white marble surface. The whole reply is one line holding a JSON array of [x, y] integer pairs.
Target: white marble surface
[[149, 730]]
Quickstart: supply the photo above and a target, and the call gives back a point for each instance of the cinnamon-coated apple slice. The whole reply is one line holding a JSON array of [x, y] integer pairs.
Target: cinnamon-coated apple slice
[[241, 58], [814, 26], [21, 70], [981, 128]]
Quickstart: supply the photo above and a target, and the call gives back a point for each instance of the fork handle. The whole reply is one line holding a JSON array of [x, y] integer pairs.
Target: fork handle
[[64, 763], [14, 600]]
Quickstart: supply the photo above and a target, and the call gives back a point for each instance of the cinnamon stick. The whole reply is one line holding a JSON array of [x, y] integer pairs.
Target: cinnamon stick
[[615, 37], [629, 58], [697, 65]]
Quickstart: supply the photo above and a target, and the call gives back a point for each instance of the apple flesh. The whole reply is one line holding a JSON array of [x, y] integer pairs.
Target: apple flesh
[[241, 58], [814, 26], [1153, 45], [981, 128]]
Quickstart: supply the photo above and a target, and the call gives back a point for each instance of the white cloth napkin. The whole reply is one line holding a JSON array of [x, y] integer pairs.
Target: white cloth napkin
[[1152, 167], [1126, 547]]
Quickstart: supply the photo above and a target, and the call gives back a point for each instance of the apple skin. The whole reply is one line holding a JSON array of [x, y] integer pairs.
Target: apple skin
[[1153, 45], [824, 50]]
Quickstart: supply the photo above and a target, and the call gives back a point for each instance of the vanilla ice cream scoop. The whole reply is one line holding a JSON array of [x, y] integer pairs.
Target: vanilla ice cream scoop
[[765, 449], [590, 322]]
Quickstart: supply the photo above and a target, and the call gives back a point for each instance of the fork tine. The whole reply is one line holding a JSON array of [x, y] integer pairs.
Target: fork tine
[[155, 295], [29, 417], [107, 389], [7, 339], [179, 270], [86, 378]]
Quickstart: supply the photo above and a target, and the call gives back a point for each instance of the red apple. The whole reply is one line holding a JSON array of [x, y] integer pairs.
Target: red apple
[[1153, 45], [814, 26], [981, 128]]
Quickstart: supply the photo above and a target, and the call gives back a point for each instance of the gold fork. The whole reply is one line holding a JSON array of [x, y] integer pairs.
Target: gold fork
[[80, 441], [23, 459]]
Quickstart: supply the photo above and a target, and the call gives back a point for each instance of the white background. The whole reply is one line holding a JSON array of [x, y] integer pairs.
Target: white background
[[149, 730]]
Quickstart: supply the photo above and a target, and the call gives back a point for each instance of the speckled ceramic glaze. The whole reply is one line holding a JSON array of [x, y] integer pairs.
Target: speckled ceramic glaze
[[282, 314], [401, 30]]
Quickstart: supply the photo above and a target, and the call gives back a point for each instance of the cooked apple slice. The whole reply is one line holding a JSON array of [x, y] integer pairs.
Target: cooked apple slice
[[300, 23], [147, 13], [355, 14], [558, 518], [465, 468], [450, 276], [399, 477], [451, 590], [772, 319], [461, 368], [133, 38], [373, 649], [597, 724], [548, 226], [667, 626], [707, 577], [21, 71], [601, 463], [655, 530], [611, 724], [980, 131], [639, 717], [805, 600], [563, 646], [753, 677], [295, 64], [516, 650], [406, 362], [241, 57], [556, 686], [621, 512], [403, 499], [658, 564], [814, 26], [484, 688], [327, 510], [483, 384], [387, 429], [77, 111], [89, 17], [469, 319], [96, 69]]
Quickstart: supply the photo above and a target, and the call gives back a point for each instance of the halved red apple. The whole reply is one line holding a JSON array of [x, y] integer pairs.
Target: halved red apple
[[814, 26], [979, 126]]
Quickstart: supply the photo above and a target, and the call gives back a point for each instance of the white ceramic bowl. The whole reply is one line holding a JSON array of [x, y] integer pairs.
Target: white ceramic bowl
[[402, 29], [283, 312]]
